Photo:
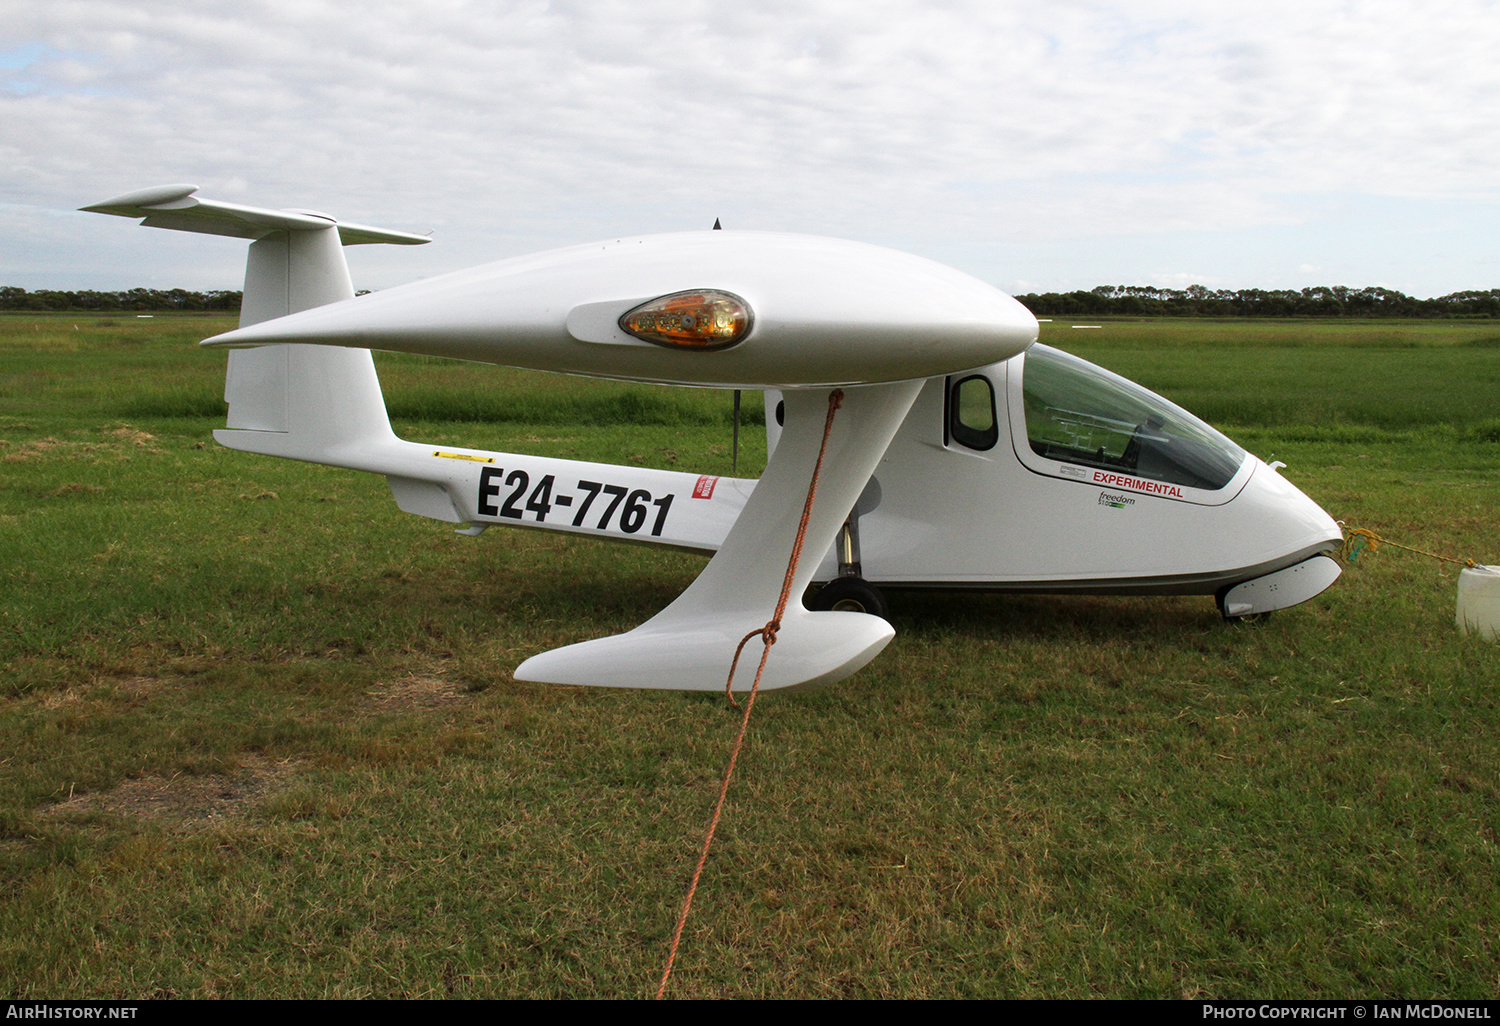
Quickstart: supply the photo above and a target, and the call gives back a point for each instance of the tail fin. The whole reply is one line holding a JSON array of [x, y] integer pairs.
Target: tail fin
[[311, 403]]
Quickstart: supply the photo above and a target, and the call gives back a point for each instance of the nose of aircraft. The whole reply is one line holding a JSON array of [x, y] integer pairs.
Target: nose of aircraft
[[1276, 521], [819, 312]]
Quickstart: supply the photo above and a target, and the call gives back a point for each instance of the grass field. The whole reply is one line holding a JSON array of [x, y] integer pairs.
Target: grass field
[[259, 735]]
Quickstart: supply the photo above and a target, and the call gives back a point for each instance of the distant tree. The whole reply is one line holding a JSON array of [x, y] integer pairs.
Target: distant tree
[[1200, 301], [86, 300]]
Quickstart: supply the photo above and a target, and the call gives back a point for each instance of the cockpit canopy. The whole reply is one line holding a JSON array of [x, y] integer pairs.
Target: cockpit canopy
[[1082, 414]]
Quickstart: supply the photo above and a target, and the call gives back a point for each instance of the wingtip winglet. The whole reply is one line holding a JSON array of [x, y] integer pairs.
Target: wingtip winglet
[[812, 649]]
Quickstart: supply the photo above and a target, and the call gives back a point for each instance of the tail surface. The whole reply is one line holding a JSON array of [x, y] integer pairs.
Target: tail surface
[[304, 402], [323, 404]]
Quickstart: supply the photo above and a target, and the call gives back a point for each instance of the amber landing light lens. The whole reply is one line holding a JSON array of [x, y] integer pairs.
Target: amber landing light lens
[[702, 320]]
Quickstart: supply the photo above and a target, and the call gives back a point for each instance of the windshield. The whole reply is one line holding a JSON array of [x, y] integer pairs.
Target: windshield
[[1079, 413]]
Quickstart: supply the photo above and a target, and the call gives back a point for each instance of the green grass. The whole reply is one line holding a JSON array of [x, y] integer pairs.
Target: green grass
[[1289, 375], [260, 737]]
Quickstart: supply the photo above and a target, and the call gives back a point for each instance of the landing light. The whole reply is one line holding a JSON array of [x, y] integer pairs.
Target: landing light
[[702, 320]]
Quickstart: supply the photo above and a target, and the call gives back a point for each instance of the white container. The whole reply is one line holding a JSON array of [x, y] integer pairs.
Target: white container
[[1479, 601]]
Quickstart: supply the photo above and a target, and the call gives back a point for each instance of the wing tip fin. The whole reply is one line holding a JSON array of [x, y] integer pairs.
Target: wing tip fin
[[811, 650]]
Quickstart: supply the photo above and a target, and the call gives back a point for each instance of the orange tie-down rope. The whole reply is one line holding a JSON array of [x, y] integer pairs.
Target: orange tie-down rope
[[768, 636]]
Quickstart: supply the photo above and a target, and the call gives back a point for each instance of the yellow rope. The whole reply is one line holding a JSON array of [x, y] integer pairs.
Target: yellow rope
[[1357, 538]]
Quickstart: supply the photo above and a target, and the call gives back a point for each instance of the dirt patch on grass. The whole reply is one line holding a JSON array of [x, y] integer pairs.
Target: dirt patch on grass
[[73, 489], [184, 799], [131, 688], [40, 447], [127, 440], [127, 433], [416, 692]]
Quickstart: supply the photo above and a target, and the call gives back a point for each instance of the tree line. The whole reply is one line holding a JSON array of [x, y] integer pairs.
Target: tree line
[[1104, 300], [87, 300], [1199, 301]]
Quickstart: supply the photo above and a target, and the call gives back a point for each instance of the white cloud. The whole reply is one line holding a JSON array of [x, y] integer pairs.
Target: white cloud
[[510, 126]]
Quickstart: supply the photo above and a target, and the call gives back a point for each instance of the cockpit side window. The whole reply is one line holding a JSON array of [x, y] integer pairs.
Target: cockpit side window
[[971, 413], [1082, 414]]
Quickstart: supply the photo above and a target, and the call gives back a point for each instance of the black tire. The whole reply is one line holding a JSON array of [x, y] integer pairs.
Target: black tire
[[851, 595]]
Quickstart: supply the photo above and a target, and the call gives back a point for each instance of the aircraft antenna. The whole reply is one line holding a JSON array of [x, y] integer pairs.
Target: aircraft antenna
[[735, 461], [717, 227]]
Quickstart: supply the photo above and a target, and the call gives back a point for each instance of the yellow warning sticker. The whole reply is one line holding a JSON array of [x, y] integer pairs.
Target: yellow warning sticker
[[464, 456]]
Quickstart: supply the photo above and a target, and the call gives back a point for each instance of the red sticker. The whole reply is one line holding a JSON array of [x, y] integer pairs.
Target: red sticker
[[704, 489]]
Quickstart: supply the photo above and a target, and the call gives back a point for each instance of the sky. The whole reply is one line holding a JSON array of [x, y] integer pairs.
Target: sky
[[1039, 146]]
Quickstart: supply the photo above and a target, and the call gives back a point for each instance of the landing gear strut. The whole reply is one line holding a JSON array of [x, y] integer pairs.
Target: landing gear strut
[[849, 592]]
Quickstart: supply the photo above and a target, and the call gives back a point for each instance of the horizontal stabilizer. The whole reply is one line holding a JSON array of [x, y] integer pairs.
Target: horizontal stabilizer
[[175, 207]]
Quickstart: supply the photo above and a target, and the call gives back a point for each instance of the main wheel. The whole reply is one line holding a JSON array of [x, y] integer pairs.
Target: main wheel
[[852, 595]]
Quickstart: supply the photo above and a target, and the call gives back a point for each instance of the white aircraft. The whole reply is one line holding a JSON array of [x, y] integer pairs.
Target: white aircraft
[[963, 455]]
